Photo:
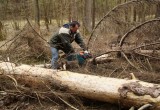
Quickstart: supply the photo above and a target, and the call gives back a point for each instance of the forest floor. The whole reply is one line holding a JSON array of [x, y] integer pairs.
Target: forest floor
[[117, 69]]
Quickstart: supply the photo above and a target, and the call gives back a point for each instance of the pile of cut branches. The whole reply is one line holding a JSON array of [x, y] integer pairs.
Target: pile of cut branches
[[27, 44]]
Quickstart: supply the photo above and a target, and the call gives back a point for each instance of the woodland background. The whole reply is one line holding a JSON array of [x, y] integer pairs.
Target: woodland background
[[27, 25], [58, 12], [49, 15]]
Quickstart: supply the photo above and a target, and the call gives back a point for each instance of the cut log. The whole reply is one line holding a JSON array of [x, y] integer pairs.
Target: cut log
[[149, 51], [94, 87], [103, 59]]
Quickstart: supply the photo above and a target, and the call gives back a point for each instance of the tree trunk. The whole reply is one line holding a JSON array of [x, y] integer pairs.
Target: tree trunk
[[88, 14], [69, 12], [74, 10], [1, 33], [93, 14], [46, 7], [36, 11], [119, 2], [157, 11], [134, 14], [93, 87]]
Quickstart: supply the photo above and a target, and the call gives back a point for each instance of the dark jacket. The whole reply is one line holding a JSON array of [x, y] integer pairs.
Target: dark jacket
[[63, 39]]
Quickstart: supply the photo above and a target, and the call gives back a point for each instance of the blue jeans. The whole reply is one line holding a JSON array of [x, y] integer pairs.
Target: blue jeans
[[54, 63]]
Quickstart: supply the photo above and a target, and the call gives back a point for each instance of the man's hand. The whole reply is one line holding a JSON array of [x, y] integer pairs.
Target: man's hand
[[86, 52]]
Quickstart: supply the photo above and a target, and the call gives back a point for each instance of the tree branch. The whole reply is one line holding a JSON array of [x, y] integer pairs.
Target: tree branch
[[107, 16], [35, 30], [126, 35], [145, 107]]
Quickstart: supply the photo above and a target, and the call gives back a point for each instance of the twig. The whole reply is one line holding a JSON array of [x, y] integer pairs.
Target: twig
[[14, 108], [35, 30], [140, 62], [132, 108], [12, 43], [16, 86], [124, 70], [22, 58], [51, 100], [61, 98], [41, 54], [106, 17], [126, 35], [11, 38], [147, 55], [3, 93], [15, 81], [119, 50], [145, 107], [38, 99], [113, 72], [145, 45], [129, 61], [149, 65]]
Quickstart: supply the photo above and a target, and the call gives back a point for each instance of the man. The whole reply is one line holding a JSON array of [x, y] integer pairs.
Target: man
[[62, 41]]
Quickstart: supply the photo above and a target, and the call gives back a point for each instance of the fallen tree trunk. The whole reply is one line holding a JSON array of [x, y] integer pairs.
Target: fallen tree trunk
[[110, 90]]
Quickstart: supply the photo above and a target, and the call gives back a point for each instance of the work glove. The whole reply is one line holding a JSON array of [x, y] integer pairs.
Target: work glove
[[86, 52]]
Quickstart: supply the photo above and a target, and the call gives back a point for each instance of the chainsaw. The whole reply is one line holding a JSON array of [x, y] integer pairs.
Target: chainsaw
[[79, 58]]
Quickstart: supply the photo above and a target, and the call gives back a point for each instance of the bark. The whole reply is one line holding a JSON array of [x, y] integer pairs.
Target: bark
[[69, 12], [74, 10], [1, 31], [93, 13], [134, 14], [37, 14], [89, 86], [88, 14], [135, 28], [157, 11], [104, 17], [119, 1], [46, 7]]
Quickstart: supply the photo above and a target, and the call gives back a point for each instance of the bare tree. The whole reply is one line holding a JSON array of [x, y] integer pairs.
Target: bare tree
[[36, 11], [46, 11], [119, 1], [93, 14], [1, 34], [74, 10], [87, 15], [69, 12], [158, 11], [134, 14]]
